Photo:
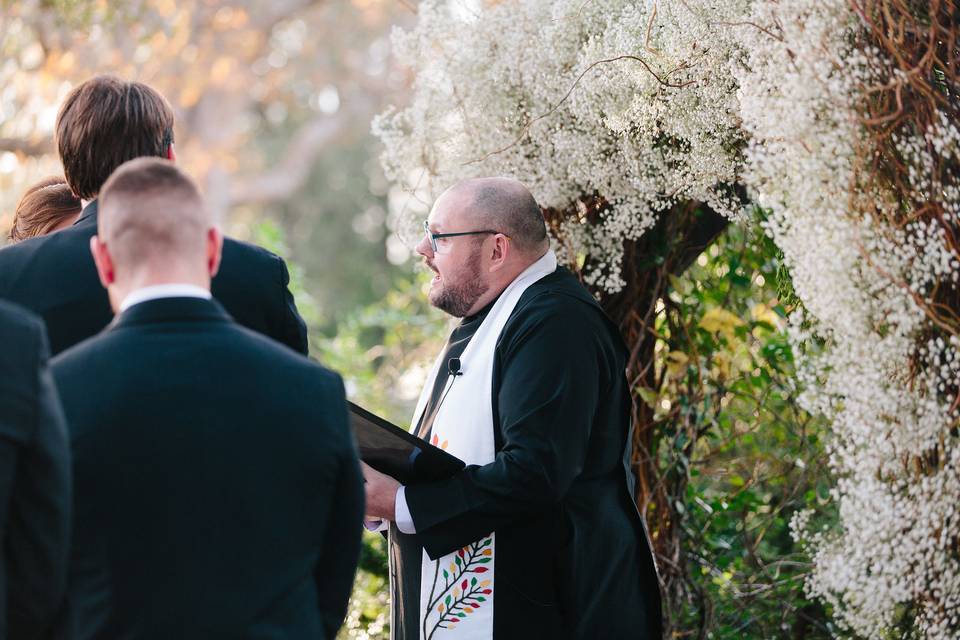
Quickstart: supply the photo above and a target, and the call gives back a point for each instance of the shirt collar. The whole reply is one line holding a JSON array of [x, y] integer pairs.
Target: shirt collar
[[157, 291]]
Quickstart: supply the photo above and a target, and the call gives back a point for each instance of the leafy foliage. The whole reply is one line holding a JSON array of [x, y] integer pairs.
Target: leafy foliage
[[737, 453]]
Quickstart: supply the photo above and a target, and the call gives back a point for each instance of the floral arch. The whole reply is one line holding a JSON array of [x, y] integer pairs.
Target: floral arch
[[646, 128]]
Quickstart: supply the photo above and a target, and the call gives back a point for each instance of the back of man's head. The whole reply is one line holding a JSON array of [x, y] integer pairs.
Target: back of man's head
[[106, 121], [152, 218], [507, 206]]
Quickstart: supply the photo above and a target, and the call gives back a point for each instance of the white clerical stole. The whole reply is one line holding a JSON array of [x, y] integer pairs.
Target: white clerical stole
[[457, 591]]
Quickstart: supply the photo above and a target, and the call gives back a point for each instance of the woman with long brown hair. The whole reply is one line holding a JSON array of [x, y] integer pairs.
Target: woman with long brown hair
[[47, 206]]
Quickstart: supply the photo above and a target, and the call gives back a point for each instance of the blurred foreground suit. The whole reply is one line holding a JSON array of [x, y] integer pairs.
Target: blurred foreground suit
[[218, 493], [54, 276], [34, 482]]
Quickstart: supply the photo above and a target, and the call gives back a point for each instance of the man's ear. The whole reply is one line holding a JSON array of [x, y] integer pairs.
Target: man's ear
[[214, 250], [171, 154], [500, 252], [104, 262]]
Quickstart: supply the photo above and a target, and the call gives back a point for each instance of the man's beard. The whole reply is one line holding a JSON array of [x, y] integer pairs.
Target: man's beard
[[458, 299]]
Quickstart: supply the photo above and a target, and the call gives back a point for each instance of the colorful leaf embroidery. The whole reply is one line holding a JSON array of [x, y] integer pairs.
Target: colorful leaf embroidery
[[461, 593]]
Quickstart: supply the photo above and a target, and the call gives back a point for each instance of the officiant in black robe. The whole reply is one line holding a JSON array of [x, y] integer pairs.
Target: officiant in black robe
[[572, 555]]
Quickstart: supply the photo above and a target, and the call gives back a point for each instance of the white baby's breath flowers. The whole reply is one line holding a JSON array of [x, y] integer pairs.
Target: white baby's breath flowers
[[649, 104], [863, 283], [574, 99]]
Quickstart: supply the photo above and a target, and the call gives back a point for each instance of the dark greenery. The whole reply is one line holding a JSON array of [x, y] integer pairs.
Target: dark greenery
[[734, 448]]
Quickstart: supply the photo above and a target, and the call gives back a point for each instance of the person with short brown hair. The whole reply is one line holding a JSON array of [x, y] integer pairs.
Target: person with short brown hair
[[217, 488], [47, 206], [103, 123]]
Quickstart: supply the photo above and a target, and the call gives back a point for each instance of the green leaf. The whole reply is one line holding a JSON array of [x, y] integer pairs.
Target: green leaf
[[649, 396]]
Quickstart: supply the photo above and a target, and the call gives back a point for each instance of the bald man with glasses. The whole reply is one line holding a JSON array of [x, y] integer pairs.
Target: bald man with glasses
[[538, 537]]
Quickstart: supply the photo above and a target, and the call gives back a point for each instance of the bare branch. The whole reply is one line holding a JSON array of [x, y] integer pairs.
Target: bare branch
[[280, 10], [27, 146], [530, 123], [293, 170]]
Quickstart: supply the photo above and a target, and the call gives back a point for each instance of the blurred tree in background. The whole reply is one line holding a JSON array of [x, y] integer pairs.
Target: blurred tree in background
[[273, 101]]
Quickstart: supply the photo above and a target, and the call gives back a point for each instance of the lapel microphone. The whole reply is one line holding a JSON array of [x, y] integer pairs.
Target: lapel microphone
[[453, 367]]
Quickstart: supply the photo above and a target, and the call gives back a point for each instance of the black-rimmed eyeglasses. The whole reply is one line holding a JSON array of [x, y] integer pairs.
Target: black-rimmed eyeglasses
[[433, 237]]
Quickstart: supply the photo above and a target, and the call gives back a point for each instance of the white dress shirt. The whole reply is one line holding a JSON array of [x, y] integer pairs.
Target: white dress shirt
[[404, 519], [157, 291]]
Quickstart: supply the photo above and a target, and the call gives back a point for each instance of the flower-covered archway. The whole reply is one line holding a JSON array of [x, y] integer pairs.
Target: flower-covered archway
[[646, 128]]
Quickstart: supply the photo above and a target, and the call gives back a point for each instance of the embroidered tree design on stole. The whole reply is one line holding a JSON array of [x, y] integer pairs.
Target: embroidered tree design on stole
[[462, 589]]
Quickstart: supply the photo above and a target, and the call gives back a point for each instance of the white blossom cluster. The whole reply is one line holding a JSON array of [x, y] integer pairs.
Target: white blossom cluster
[[765, 94], [540, 90], [865, 285]]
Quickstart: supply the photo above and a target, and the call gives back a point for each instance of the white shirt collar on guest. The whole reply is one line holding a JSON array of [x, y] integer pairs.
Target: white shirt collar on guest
[[157, 291]]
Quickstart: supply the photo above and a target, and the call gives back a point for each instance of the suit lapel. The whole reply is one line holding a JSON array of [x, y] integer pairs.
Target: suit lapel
[[88, 215]]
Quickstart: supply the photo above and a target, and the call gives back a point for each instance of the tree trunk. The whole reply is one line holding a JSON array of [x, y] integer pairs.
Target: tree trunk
[[679, 237]]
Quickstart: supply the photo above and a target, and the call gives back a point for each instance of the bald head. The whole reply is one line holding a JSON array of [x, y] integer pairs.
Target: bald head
[[504, 205], [151, 215]]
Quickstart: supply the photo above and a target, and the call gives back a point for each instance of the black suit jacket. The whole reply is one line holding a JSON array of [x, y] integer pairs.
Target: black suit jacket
[[35, 482], [55, 277], [217, 489]]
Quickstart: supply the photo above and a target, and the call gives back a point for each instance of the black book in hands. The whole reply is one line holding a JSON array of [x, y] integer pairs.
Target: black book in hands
[[398, 453]]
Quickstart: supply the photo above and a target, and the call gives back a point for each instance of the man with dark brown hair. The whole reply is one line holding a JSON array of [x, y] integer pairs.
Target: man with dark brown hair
[[104, 122]]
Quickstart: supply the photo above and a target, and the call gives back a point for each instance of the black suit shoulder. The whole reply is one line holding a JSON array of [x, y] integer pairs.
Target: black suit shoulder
[[250, 250], [253, 284], [53, 257], [229, 344], [21, 334], [560, 304], [35, 484], [55, 276], [16, 319], [327, 381], [258, 262], [558, 293]]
